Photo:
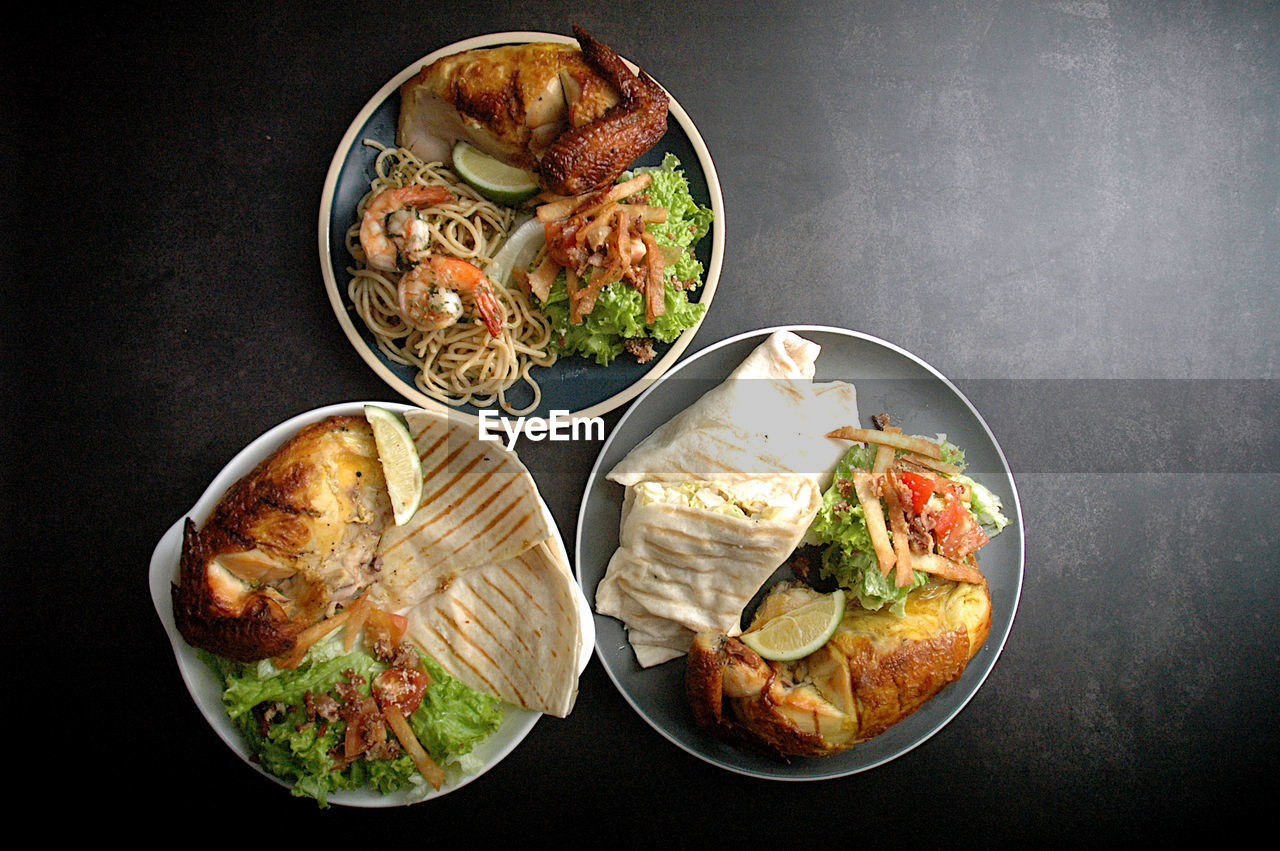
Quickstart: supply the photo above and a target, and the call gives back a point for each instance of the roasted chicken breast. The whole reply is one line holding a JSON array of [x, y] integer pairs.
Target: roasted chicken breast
[[877, 669], [511, 101], [290, 541], [577, 117]]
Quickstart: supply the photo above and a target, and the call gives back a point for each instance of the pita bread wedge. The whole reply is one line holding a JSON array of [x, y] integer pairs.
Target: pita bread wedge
[[511, 628], [480, 506], [768, 417]]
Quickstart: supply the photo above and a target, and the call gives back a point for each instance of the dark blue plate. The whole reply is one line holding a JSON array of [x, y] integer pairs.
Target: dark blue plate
[[576, 385]]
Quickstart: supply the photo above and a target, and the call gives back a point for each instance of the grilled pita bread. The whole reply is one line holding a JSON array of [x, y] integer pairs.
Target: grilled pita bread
[[510, 628], [680, 567], [480, 506], [768, 417]]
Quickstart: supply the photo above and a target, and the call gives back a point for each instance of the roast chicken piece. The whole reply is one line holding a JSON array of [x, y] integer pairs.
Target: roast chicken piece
[[877, 669], [576, 117], [595, 154], [286, 545]]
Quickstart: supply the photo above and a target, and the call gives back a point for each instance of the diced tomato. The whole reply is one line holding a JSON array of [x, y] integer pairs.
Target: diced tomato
[[385, 626], [921, 489], [400, 687], [560, 241], [956, 529]]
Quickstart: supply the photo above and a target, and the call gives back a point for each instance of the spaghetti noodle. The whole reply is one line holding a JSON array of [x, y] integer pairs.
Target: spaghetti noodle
[[463, 363]]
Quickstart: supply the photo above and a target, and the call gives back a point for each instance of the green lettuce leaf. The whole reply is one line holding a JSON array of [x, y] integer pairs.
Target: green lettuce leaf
[[848, 556], [451, 721], [619, 310], [840, 526]]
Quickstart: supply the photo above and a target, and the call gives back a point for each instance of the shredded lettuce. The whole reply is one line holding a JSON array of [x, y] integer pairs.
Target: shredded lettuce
[[848, 556], [840, 527], [451, 721], [619, 313]]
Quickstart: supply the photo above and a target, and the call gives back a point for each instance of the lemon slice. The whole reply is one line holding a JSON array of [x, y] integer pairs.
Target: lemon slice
[[517, 252], [493, 179], [400, 463], [799, 632]]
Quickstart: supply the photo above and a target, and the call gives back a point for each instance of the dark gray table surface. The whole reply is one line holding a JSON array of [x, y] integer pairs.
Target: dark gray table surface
[[1070, 208]]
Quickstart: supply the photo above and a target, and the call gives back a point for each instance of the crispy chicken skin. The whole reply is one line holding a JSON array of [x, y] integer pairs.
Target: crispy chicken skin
[[287, 543], [876, 670], [577, 117], [594, 154], [510, 101]]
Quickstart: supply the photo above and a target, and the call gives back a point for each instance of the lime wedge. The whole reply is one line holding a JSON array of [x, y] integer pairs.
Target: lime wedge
[[493, 179], [799, 632], [400, 463]]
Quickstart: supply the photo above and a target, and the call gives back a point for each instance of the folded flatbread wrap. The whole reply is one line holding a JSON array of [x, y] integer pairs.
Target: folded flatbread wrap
[[719, 496], [479, 506], [511, 628], [691, 555], [768, 417]]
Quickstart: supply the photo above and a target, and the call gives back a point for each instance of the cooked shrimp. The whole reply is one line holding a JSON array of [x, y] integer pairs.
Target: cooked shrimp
[[431, 294], [393, 234]]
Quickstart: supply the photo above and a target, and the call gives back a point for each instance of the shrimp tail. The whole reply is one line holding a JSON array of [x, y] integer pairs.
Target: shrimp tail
[[489, 308]]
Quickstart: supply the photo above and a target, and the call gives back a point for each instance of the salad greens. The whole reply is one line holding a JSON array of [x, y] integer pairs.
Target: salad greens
[[840, 528], [296, 748], [619, 314]]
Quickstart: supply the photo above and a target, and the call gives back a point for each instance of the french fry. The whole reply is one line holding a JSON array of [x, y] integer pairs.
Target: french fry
[[359, 612], [427, 766], [572, 285], [587, 297], [947, 569], [591, 202], [598, 227], [905, 442], [649, 213], [309, 637], [867, 488], [885, 455], [931, 464], [654, 287]]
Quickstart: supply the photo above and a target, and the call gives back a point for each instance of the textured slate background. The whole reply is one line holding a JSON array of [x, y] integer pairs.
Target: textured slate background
[[1070, 208]]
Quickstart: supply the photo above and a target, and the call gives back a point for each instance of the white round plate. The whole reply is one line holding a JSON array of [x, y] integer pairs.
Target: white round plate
[[574, 384], [888, 380], [203, 683]]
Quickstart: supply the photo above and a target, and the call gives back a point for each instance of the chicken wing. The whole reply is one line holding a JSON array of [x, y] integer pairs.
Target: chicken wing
[[594, 154]]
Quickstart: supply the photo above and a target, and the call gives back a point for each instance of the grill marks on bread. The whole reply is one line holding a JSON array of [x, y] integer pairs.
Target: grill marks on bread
[[508, 629], [481, 506]]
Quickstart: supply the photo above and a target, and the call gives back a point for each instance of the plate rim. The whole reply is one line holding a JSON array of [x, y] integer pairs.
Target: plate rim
[[1013, 506], [162, 573], [349, 140]]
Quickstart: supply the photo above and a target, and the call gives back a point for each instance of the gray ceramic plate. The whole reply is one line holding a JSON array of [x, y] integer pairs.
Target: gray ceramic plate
[[889, 380]]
